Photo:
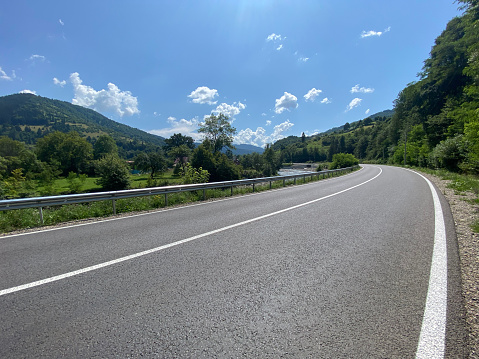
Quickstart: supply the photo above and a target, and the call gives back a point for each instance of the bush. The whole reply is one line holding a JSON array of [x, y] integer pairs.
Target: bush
[[114, 173], [342, 160], [448, 154]]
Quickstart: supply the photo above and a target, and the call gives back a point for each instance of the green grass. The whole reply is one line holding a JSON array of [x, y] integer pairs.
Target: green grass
[[30, 218]]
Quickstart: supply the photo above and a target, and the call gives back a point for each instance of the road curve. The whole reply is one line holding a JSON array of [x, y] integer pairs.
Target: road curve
[[338, 268]]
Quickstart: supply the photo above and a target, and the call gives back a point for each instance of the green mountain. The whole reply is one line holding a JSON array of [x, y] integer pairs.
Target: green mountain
[[27, 117]]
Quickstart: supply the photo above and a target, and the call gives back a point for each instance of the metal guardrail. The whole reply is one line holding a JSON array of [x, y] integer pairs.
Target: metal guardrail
[[41, 202]]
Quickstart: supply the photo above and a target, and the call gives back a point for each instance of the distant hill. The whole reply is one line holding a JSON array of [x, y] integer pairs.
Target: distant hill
[[27, 117], [246, 149]]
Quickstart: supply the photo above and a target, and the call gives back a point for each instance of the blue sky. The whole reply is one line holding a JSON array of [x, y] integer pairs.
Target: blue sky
[[276, 68]]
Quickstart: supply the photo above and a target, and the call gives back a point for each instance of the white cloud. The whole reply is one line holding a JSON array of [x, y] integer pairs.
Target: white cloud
[[268, 122], [4, 76], [356, 89], [325, 100], [28, 91], [185, 127], [111, 100], [203, 95], [279, 47], [286, 102], [303, 59], [312, 94], [229, 110], [61, 22], [259, 137], [58, 82], [35, 58], [274, 37], [367, 111], [374, 33], [354, 103]]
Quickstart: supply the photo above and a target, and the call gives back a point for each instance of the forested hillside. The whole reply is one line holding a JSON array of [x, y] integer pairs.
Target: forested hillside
[[27, 117], [435, 121]]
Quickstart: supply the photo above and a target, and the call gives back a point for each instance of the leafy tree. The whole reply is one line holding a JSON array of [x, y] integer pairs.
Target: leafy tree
[[68, 151], [103, 146], [180, 155], [153, 162], [218, 131], [177, 140], [114, 173]]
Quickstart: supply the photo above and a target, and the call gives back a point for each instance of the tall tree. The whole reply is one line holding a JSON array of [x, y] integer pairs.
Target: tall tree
[[218, 131]]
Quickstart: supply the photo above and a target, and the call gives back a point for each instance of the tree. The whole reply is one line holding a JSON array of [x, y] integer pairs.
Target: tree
[[67, 151], [153, 162], [177, 140], [103, 146], [180, 155], [218, 130], [114, 173]]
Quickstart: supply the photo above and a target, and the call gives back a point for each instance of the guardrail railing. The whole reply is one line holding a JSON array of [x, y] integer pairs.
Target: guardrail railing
[[41, 202]]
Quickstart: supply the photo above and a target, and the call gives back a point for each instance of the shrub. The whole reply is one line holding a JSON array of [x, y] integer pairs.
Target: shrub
[[342, 160]]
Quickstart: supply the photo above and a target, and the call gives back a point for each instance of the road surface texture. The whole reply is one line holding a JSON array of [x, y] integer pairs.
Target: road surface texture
[[340, 268]]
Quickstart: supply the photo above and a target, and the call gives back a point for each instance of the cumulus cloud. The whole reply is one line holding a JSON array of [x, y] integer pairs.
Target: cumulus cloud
[[268, 122], [367, 111], [279, 47], [303, 59], [112, 100], [203, 95], [229, 110], [58, 82], [354, 103], [29, 92], [325, 100], [357, 89], [37, 58], [185, 127], [374, 33], [274, 37], [4, 76], [260, 137], [286, 102], [61, 22], [312, 94]]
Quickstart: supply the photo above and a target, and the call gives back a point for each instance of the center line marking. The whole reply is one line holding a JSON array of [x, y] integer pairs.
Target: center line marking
[[173, 244]]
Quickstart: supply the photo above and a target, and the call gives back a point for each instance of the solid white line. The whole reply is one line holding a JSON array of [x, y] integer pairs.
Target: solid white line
[[157, 249], [98, 221], [433, 332]]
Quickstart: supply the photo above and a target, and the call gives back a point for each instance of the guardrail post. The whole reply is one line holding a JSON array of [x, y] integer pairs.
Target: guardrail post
[[41, 215], [294, 180], [166, 199], [284, 182], [204, 194], [270, 184], [231, 190], [114, 206], [253, 187]]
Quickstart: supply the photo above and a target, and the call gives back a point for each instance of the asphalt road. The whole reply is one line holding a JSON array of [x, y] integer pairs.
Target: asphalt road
[[338, 268]]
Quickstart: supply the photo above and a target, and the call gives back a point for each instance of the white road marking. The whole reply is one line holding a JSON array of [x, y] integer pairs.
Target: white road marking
[[97, 221], [157, 249], [433, 332]]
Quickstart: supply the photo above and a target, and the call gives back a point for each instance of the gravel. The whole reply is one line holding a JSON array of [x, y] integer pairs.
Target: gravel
[[465, 214]]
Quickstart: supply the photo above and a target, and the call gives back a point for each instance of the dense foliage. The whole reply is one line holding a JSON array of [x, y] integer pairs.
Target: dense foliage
[[435, 121], [27, 118]]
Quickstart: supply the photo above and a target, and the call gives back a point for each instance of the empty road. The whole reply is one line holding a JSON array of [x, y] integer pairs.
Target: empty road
[[359, 266]]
